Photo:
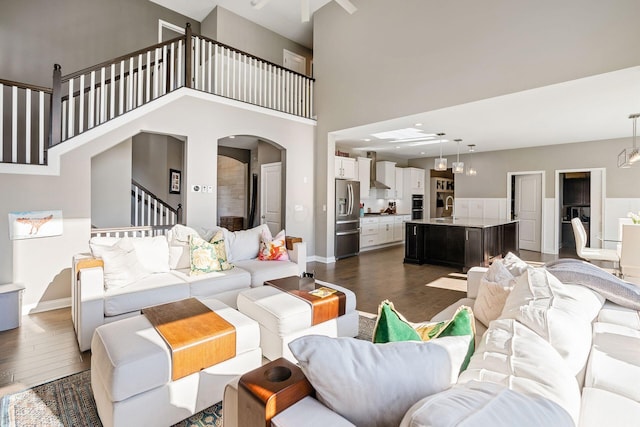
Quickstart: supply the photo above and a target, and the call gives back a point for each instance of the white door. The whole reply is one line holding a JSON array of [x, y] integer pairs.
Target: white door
[[294, 62], [528, 209], [270, 196], [596, 208]]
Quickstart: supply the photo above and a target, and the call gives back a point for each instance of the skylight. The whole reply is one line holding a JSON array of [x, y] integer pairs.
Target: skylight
[[404, 135]]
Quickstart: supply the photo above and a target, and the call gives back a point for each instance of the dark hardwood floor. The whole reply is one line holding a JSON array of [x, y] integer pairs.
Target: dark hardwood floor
[[44, 347]]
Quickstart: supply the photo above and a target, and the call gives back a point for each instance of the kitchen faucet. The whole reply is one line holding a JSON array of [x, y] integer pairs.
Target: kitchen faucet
[[446, 204]]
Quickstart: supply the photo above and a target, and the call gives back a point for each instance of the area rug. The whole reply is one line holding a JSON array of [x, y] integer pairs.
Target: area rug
[[452, 282], [69, 401]]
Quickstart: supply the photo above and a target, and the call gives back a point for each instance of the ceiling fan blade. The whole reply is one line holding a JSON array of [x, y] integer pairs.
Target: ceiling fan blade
[[347, 5], [304, 9], [258, 4]]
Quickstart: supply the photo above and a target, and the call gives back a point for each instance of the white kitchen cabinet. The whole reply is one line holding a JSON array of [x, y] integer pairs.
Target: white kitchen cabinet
[[345, 167], [386, 174], [385, 230], [399, 227], [399, 188], [414, 181], [369, 227], [364, 176]]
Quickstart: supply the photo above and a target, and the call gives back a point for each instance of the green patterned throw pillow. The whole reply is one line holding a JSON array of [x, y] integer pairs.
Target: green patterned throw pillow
[[207, 257], [391, 326]]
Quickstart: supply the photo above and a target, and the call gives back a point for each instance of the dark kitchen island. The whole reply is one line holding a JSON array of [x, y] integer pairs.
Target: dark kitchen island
[[459, 242]]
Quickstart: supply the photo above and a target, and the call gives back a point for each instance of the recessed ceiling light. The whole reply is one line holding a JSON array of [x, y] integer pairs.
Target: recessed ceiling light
[[422, 152], [367, 139], [232, 136], [397, 146], [401, 134], [418, 124]]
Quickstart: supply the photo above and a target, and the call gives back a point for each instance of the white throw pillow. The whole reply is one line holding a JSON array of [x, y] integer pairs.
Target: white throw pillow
[[153, 253], [178, 238], [99, 244], [561, 314], [515, 265], [244, 244], [494, 289], [375, 384], [121, 265]]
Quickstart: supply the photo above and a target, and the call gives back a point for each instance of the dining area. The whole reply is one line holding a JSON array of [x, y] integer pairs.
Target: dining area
[[625, 258]]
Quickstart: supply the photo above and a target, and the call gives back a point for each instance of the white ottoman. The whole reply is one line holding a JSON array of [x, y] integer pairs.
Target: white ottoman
[[131, 371], [284, 317]]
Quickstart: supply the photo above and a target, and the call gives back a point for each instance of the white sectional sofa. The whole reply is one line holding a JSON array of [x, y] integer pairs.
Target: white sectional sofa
[[163, 275], [552, 353]]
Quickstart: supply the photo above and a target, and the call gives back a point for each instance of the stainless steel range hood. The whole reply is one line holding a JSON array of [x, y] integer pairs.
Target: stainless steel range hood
[[374, 183]]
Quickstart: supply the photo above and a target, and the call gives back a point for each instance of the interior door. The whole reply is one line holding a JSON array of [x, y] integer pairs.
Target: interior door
[[294, 62], [528, 209], [270, 196]]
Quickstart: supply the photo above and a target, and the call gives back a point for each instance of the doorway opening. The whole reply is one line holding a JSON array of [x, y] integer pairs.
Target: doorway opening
[[243, 201], [579, 194], [525, 195]]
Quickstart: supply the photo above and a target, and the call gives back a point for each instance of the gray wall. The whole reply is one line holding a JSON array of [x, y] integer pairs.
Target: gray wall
[[35, 34], [493, 166], [384, 62], [153, 155], [236, 31], [111, 187]]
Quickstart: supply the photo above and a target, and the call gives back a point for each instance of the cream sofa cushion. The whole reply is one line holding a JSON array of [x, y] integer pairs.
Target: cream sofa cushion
[[244, 244], [514, 356], [153, 253], [561, 314]]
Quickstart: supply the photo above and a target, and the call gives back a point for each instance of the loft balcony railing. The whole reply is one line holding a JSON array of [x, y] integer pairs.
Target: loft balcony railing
[[38, 118]]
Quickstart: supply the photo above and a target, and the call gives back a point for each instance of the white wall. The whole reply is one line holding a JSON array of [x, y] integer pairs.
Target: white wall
[[203, 119]]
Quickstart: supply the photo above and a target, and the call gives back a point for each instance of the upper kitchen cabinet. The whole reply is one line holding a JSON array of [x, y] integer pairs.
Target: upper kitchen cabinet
[[345, 167], [386, 174], [414, 180], [364, 176]]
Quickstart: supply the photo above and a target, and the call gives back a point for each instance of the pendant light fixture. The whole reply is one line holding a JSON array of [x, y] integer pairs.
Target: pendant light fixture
[[471, 171], [629, 156], [458, 166], [440, 164]]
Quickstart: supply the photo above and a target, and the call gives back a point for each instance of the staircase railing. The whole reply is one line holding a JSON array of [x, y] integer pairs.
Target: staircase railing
[[24, 127], [149, 210], [82, 100]]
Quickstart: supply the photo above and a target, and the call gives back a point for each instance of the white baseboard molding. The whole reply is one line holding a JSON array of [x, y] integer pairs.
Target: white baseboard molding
[[323, 260], [46, 306]]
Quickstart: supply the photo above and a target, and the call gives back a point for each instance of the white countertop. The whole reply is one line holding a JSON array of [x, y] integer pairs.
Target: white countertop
[[464, 222]]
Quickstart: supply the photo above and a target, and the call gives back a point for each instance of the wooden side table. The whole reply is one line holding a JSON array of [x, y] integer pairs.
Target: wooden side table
[[10, 306], [268, 390]]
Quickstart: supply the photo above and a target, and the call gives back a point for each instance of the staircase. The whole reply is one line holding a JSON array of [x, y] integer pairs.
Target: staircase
[[38, 118]]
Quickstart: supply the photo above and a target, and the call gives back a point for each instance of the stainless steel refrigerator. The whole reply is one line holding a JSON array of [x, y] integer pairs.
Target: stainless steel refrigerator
[[347, 218]]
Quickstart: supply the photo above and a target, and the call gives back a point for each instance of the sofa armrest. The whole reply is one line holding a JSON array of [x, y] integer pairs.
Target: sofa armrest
[[299, 255], [474, 276], [88, 304]]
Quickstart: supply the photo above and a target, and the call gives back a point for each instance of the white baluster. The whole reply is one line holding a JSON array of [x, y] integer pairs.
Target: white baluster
[[136, 205], [71, 108], [112, 92], [81, 105], [233, 74], [195, 71], [216, 71], [163, 82], [147, 76], [40, 126], [259, 87], [225, 74], [311, 99], [63, 108], [103, 95], [156, 70], [140, 82], [179, 82], [209, 61], [27, 119], [14, 124], [155, 212], [130, 81], [203, 69], [121, 89], [172, 67]]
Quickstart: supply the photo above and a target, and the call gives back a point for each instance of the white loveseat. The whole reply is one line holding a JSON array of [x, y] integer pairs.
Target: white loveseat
[[556, 354], [164, 261]]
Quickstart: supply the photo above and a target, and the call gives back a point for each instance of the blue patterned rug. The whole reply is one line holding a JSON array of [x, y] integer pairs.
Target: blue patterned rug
[[69, 401]]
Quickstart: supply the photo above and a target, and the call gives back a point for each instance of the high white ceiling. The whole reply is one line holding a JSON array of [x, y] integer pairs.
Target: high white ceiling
[[588, 109], [281, 16]]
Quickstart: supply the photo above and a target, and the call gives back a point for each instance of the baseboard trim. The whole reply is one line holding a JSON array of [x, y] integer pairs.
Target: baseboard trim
[[46, 306], [323, 260]]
